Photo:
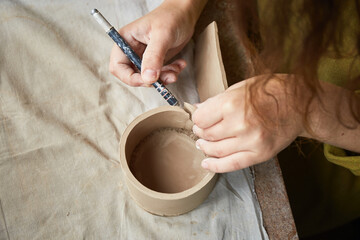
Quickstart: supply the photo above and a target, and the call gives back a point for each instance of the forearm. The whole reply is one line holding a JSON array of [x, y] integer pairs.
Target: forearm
[[332, 118]]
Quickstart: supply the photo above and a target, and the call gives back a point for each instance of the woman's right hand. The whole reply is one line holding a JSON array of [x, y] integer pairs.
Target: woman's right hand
[[157, 37]]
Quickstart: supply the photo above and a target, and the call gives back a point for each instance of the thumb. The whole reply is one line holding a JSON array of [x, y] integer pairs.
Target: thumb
[[153, 57], [230, 163]]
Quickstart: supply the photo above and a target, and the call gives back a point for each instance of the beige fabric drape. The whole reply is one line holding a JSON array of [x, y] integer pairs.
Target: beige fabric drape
[[61, 118]]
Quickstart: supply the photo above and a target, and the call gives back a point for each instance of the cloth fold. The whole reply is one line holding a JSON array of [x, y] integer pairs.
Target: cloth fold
[[340, 157], [61, 118]]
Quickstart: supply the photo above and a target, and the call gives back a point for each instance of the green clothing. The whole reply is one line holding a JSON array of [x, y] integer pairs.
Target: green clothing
[[322, 195], [340, 157], [323, 181]]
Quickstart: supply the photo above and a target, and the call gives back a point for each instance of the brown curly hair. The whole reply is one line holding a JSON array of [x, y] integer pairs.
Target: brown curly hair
[[292, 36]]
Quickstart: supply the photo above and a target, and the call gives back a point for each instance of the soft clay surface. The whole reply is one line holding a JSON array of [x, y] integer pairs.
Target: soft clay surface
[[167, 161]]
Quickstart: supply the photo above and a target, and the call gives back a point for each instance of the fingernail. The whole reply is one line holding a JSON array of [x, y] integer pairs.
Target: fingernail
[[169, 80], [204, 164], [198, 143], [182, 65], [195, 129], [150, 76]]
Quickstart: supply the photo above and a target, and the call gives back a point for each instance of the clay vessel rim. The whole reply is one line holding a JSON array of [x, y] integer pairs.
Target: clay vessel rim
[[129, 175]]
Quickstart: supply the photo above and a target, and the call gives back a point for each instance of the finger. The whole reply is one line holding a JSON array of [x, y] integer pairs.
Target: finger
[[128, 75], [231, 163], [137, 43], [122, 68], [168, 77], [216, 132], [169, 73], [208, 113], [221, 148], [173, 51], [153, 57], [176, 66]]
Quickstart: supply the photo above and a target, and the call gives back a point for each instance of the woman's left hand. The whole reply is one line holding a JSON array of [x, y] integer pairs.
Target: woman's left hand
[[233, 135]]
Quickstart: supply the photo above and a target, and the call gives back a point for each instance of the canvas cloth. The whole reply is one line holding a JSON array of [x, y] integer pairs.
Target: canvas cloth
[[61, 118]]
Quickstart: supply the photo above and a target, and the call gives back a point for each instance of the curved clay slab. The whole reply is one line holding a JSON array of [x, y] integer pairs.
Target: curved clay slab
[[209, 69]]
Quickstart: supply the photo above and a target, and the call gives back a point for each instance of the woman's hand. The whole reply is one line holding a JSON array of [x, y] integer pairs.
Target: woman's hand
[[157, 37], [234, 137]]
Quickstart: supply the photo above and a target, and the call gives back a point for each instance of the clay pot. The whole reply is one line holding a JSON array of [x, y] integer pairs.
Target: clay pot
[[157, 150], [161, 163]]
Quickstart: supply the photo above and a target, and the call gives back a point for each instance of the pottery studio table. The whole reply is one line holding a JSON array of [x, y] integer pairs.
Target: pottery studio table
[[269, 183], [62, 115]]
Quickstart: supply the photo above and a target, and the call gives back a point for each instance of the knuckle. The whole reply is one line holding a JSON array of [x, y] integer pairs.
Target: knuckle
[[236, 165], [152, 56], [228, 106], [260, 136], [218, 152], [239, 129], [199, 121], [212, 150], [208, 136], [215, 168]]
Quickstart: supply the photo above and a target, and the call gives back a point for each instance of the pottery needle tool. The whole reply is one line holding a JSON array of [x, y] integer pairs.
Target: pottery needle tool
[[133, 57]]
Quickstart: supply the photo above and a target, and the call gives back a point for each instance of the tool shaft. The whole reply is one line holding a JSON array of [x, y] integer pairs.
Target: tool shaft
[[132, 56]]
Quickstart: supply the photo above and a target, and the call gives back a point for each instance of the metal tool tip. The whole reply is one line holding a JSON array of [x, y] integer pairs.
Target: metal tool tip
[[94, 11]]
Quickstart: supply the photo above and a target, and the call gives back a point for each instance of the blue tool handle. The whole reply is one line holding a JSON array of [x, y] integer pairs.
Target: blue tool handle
[[135, 59], [125, 47]]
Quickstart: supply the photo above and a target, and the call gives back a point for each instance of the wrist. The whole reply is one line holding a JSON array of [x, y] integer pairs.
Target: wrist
[[334, 117], [191, 8]]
